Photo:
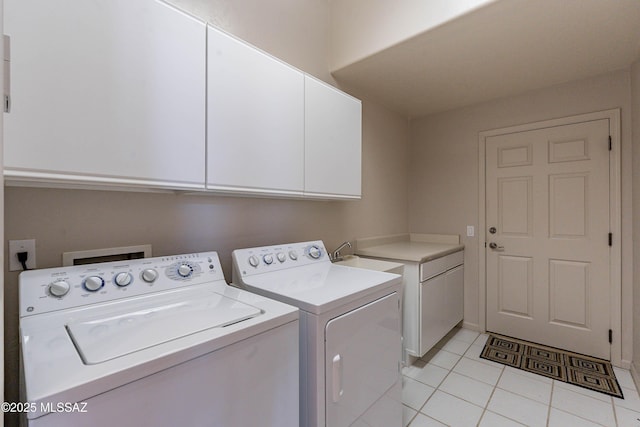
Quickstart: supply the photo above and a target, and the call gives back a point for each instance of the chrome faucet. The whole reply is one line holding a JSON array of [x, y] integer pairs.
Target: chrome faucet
[[335, 256]]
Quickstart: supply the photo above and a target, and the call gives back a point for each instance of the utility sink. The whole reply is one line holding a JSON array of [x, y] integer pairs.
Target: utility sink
[[371, 264]]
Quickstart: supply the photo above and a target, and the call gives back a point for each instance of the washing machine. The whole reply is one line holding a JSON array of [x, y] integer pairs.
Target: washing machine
[[154, 342], [350, 339]]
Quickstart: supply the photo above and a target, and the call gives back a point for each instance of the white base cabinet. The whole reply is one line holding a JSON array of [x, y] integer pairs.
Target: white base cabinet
[[105, 92], [440, 301], [433, 301], [441, 306]]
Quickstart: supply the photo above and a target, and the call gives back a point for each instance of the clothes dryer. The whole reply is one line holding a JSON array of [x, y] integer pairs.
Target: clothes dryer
[[350, 339]]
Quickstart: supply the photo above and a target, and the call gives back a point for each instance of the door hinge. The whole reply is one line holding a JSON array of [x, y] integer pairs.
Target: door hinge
[[610, 144], [6, 84], [610, 239], [610, 336]]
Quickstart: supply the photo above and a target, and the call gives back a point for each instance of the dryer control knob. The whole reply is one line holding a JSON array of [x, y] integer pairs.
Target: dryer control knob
[[281, 257], [293, 255], [185, 270], [268, 259], [314, 252], [93, 283], [123, 279], [254, 261], [149, 275], [58, 288]]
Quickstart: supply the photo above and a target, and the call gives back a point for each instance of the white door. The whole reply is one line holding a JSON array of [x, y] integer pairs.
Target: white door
[[547, 196], [362, 356]]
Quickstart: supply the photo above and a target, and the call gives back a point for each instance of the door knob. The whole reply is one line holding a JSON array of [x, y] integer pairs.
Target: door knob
[[495, 246]]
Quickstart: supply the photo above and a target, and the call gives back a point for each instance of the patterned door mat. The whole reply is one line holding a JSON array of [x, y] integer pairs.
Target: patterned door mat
[[573, 368]]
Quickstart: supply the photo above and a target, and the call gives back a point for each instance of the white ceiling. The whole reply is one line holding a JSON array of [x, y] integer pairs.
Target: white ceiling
[[506, 48]]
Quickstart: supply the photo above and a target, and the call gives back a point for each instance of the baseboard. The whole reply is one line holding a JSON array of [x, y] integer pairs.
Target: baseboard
[[471, 326], [624, 364], [635, 375]]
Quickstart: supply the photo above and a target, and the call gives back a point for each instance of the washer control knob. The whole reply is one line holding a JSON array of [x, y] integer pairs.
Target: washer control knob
[[281, 257], [315, 252], [268, 259], [149, 275], [254, 261], [93, 283], [293, 255], [185, 270], [123, 279], [58, 288]]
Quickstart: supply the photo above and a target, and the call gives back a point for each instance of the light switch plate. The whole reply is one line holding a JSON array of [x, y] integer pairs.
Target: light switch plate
[[470, 231]]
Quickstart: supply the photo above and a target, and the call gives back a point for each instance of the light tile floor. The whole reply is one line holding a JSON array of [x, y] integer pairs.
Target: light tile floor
[[452, 386]]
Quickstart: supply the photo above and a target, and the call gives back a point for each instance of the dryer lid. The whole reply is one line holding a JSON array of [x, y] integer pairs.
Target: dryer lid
[[321, 287], [100, 339]]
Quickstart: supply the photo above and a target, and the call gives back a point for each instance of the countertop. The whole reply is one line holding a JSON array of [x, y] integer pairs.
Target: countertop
[[409, 247]]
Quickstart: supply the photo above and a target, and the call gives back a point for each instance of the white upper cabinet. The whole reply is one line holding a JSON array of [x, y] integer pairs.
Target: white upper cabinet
[[255, 120], [105, 92], [333, 142]]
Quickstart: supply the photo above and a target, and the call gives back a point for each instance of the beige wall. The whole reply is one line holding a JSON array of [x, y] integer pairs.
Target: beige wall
[[360, 28], [294, 31], [70, 220], [635, 108], [443, 171]]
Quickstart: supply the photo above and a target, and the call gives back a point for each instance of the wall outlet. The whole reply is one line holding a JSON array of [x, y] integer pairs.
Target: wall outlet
[[16, 246], [470, 231]]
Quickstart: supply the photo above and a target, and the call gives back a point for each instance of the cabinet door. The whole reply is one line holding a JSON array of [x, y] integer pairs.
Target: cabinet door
[[433, 312], [333, 141], [105, 92], [362, 349], [441, 306], [255, 119], [455, 296]]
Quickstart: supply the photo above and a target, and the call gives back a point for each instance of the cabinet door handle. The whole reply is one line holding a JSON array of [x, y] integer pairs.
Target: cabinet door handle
[[337, 378]]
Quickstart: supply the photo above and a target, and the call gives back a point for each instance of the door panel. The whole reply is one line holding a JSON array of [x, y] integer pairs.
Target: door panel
[[362, 356], [547, 193], [569, 288], [568, 205], [515, 204], [515, 285]]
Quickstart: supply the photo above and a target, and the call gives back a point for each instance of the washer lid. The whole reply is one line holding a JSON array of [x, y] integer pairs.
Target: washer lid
[[100, 339]]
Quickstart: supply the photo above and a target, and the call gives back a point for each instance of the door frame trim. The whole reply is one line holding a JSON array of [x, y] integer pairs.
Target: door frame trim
[[615, 219]]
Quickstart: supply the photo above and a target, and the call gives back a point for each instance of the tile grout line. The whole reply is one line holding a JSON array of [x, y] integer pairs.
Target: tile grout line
[[553, 387], [615, 412], [555, 382], [436, 388], [442, 381], [550, 407]]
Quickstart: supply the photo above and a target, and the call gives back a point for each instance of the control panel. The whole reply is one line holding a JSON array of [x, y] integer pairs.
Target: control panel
[[53, 289], [278, 257]]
